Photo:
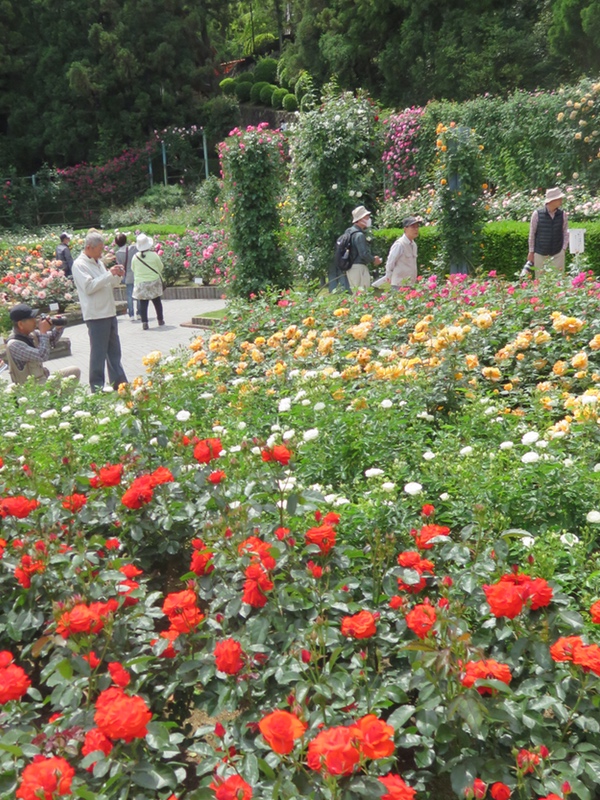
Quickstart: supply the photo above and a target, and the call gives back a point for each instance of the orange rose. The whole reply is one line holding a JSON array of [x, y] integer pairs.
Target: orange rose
[[280, 729], [377, 737], [334, 750], [360, 626]]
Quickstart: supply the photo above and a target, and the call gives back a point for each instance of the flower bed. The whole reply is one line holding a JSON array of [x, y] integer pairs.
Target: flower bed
[[342, 547]]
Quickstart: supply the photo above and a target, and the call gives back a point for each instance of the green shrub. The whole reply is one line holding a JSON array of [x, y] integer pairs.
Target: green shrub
[[266, 70], [503, 246], [227, 86], [160, 197], [290, 103], [277, 97], [266, 93], [219, 115], [242, 91], [265, 43], [246, 77], [256, 90]]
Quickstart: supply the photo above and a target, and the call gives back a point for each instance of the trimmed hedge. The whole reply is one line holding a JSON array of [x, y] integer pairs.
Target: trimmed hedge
[[256, 90], [266, 93], [242, 91], [290, 103], [266, 70], [227, 86], [504, 246]]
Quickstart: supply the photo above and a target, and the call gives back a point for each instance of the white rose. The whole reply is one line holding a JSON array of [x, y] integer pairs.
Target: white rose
[[466, 451], [386, 403], [388, 486], [530, 437], [413, 488], [444, 496], [183, 415], [373, 472], [284, 405], [530, 458], [310, 434], [428, 455], [319, 406], [508, 445], [593, 517]]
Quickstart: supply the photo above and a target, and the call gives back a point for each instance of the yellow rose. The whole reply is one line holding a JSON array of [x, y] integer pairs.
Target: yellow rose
[[579, 361]]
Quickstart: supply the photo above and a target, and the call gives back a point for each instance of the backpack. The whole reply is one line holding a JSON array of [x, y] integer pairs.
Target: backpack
[[343, 250]]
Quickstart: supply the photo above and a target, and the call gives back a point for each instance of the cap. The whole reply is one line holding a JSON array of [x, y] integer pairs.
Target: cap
[[65, 235], [21, 312], [408, 221]]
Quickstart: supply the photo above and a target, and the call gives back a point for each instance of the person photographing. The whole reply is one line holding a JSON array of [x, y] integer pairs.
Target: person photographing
[[30, 343]]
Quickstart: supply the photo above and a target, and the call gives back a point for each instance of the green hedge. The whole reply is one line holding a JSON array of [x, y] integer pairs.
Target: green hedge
[[504, 246]]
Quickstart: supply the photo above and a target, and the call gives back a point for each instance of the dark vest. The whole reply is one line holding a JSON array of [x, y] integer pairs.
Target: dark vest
[[549, 236]]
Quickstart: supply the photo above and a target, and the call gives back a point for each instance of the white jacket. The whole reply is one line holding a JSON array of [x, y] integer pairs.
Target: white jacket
[[401, 264], [95, 288]]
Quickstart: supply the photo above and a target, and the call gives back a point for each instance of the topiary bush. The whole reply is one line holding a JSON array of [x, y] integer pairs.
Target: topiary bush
[[289, 103], [266, 93], [266, 70], [227, 86], [242, 91], [252, 162], [246, 77], [277, 97], [256, 90]]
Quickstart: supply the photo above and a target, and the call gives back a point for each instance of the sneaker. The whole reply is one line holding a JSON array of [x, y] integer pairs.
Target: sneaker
[[145, 326], [138, 317]]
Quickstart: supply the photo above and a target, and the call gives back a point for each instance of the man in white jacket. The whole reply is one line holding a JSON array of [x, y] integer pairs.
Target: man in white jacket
[[95, 285], [401, 264]]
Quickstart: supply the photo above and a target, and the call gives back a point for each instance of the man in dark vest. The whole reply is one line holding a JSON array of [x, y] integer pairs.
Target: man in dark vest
[[63, 254], [549, 233]]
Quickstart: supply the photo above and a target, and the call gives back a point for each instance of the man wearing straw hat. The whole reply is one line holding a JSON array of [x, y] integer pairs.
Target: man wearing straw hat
[[358, 274], [549, 233]]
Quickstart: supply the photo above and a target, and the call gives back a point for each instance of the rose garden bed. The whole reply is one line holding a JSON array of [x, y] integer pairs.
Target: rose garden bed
[[359, 532]]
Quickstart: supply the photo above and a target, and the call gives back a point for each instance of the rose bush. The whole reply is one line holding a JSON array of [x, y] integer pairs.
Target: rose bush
[[389, 591]]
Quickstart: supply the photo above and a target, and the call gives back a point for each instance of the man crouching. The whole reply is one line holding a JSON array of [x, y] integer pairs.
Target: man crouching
[[29, 345]]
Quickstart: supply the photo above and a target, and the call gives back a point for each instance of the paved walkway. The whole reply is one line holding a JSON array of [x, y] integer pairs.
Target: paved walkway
[[135, 342]]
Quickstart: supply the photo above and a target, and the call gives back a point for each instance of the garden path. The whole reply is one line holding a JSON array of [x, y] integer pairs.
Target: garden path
[[137, 343]]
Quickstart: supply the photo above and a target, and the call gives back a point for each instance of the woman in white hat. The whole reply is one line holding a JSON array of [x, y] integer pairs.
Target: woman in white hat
[[147, 270]]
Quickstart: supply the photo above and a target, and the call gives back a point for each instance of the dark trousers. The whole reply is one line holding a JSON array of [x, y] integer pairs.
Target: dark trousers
[[105, 347], [157, 302]]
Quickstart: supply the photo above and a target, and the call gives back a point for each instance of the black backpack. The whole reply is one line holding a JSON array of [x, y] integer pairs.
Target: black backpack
[[343, 250]]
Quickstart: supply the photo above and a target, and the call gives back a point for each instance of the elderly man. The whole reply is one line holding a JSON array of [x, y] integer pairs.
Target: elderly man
[[401, 264], [549, 233], [29, 346], [95, 284], [63, 254], [358, 274]]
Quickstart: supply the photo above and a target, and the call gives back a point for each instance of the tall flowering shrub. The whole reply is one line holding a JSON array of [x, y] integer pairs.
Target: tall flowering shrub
[[334, 150], [401, 148], [253, 168], [458, 202]]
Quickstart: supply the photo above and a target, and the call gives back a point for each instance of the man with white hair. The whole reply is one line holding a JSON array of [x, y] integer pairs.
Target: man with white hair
[[95, 284], [549, 233]]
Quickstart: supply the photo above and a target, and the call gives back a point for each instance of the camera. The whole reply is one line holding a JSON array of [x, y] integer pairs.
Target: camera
[[59, 321]]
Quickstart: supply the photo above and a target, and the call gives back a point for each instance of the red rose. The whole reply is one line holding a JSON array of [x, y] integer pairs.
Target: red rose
[[588, 657], [47, 778], [206, 450], [217, 476], [396, 788], [538, 592], [331, 518], [281, 533], [278, 453], [110, 475], [13, 680], [19, 507], [201, 563], [256, 585], [315, 569], [500, 791], [527, 761], [120, 716], [421, 619], [74, 502], [505, 599], [427, 510], [92, 659], [119, 675], [410, 559], [139, 493], [94, 741], [477, 790], [595, 612], [564, 648], [131, 571], [486, 670], [233, 788], [323, 537], [280, 729], [429, 534], [161, 475], [170, 636], [27, 568], [334, 750], [182, 611], [256, 547], [228, 656], [396, 602], [376, 737], [359, 626]]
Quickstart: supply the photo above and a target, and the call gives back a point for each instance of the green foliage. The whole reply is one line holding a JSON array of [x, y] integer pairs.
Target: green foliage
[[277, 97], [227, 86], [333, 149], [256, 90], [264, 43], [266, 70], [243, 90], [266, 94], [218, 116], [289, 102], [246, 77], [160, 197], [458, 199], [253, 169]]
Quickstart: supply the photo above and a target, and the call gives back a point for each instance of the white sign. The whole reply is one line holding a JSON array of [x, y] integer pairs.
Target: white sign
[[198, 280], [54, 307], [576, 243]]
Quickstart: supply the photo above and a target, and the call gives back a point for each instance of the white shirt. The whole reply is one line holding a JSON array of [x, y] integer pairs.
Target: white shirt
[[95, 288], [401, 264]]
